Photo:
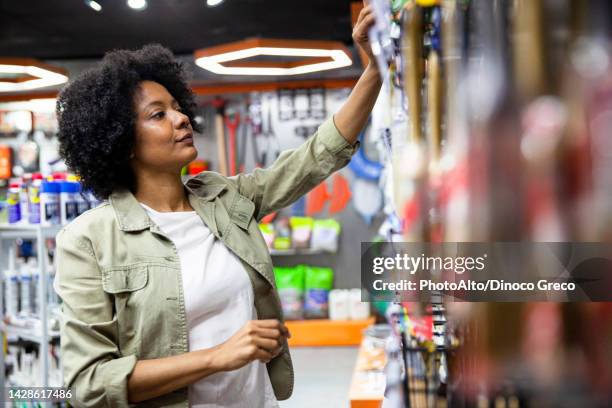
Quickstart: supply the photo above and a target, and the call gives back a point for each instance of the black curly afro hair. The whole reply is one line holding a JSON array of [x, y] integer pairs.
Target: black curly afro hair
[[96, 114]]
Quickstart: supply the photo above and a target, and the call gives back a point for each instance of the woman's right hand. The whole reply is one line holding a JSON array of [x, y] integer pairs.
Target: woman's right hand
[[257, 340]]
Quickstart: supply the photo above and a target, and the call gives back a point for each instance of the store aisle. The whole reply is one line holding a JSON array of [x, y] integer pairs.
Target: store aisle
[[322, 377]]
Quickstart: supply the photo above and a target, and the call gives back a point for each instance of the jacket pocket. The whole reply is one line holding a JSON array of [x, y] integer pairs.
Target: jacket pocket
[[127, 285], [242, 212], [127, 278]]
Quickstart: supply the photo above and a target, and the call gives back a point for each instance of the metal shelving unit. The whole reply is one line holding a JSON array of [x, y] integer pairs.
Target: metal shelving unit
[[290, 252], [9, 233]]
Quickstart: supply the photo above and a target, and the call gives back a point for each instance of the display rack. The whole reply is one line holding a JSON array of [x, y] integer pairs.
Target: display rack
[[291, 252], [326, 333], [42, 336]]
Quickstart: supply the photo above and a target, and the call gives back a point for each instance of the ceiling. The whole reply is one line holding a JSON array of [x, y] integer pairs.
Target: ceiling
[[69, 29]]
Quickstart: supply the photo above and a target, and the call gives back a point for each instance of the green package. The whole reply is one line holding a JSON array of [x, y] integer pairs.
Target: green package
[[290, 285], [319, 281], [301, 230]]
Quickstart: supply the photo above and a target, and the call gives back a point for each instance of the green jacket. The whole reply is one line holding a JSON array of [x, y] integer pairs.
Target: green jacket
[[119, 276]]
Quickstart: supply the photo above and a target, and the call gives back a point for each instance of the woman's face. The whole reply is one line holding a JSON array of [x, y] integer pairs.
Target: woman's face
[[164, 137]]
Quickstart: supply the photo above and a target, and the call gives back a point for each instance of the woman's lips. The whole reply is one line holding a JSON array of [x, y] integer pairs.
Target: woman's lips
[[186, 140]]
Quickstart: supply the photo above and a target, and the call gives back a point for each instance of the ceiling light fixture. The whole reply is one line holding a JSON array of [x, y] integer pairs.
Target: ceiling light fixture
[[318, 56], [26, 74], [94, 5], [137, 4], [213, 3]]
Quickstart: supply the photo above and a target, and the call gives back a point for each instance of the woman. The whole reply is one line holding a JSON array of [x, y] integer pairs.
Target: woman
[[168, 290]]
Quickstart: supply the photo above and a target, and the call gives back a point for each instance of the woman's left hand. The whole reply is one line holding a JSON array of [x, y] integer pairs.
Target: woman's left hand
[[365, 21]]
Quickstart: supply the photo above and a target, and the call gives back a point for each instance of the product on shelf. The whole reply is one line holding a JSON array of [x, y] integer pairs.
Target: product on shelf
[[11, 292], [50, 208], [290, 286], [339, 304], [318, 283], [346, 304], [69, 201], [301, 230], [46, 201], [267, 230], [26, 180], [358, 310], [325, 235], [6, 166], [14, 204], [282, 238], [34, 199], [25, 288], [3, 212]]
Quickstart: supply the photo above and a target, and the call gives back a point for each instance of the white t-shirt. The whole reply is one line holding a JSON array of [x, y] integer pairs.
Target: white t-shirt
[[218, 301]]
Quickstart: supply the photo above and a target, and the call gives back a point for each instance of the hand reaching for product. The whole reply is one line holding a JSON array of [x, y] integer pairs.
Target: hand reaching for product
[[365, 21], [257, 340]]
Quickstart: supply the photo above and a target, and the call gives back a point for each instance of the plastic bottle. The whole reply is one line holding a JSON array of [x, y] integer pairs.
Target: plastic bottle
[[23, 198], [50, 213], [11, 292], [69, 200], [25, 289], [358, 310], [34, 199], [14, 205], [32, 267], [52, 298], [339, 304]]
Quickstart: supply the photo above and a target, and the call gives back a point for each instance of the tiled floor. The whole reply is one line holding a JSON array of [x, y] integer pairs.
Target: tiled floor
[[322, 377]]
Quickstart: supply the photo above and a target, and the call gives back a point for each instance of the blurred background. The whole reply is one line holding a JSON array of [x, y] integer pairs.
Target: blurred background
[[494, 124]]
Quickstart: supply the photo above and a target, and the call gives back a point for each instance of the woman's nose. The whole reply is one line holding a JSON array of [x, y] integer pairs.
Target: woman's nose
[[180, 120]]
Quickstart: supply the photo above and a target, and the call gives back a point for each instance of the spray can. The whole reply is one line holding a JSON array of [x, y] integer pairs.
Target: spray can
[[23, 198], [14, 205], [34, 199], [50, 212]]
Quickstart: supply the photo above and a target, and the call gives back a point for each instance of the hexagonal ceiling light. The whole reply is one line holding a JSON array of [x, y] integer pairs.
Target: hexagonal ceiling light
[[24, 74], [315, 56]]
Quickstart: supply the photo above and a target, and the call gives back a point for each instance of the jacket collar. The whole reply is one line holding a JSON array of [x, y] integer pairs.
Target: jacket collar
[[131, 216]]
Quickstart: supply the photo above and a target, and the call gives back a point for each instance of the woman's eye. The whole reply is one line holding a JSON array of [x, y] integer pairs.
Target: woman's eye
[[158, 115]]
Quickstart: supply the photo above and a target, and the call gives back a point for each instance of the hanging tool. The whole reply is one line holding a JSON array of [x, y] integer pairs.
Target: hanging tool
[[28, 152], [410, 161], [256, 125], [434, 125], [413, 67], [301, 104], [454, 197], [286, 104], [232, 121], [219, 105], [272, 145], [243, 141], [434, 90]]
